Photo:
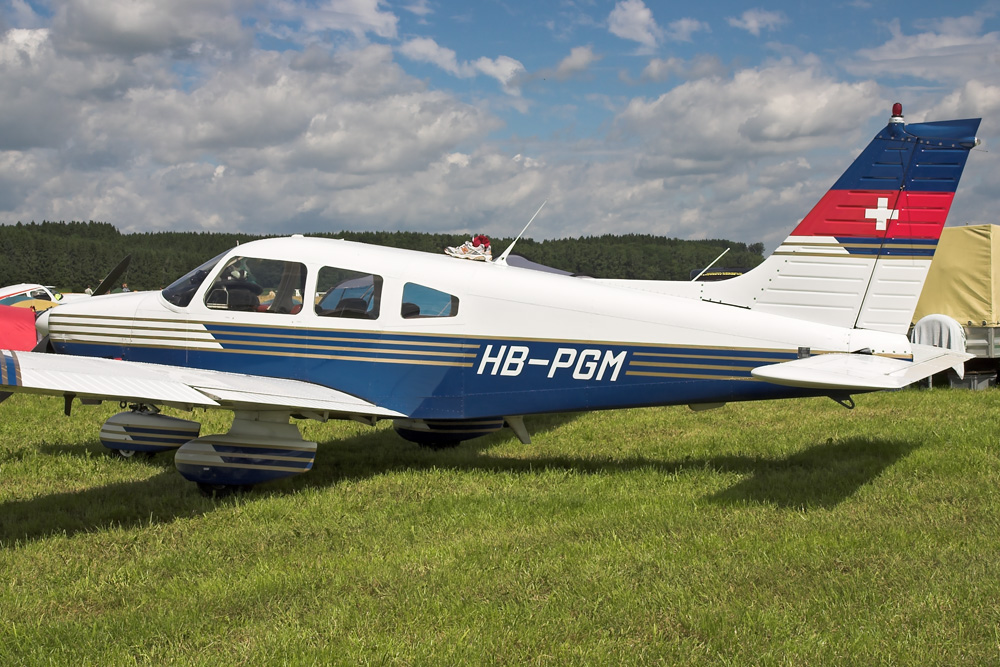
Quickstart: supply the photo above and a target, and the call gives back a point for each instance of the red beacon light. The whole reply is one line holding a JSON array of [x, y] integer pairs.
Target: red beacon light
[[897, 113]]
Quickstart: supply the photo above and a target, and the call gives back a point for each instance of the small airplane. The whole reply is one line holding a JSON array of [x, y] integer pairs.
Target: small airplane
[[21, 303], [450, 350], [33, 295]]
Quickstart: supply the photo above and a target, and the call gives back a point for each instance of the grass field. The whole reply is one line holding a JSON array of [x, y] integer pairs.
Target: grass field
[[785, 533]]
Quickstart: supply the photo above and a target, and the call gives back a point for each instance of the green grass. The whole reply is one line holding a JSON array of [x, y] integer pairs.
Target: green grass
[[783, 533]]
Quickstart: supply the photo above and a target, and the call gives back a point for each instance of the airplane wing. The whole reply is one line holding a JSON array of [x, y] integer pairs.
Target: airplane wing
[[860, 372], [185, 388]]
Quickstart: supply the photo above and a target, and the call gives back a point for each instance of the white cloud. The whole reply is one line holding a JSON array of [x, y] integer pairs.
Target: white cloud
[[21, 14], [660, 69], [577, 63], [258, 144], [501, 68], [759, 111], [358, 17], [756, 21], [191, 124], [711, 142], [424, 49], [633, 20], [324, 140], [578, 60], [683, 30], [951, 50], [133, 27], [419, 7], [974, 99]]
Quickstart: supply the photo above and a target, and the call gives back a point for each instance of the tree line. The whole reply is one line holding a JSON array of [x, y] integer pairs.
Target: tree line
[[73, 255]]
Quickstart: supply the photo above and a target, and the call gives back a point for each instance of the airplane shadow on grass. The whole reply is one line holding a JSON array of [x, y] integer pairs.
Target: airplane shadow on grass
[[821, 476]]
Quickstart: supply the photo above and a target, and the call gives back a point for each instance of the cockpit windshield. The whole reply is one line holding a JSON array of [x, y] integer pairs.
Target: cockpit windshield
[[181, 290]]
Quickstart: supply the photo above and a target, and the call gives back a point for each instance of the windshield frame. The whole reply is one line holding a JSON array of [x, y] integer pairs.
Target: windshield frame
[[180, 292]]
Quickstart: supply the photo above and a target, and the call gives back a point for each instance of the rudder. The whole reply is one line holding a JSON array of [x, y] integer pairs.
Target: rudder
[[860, 257]]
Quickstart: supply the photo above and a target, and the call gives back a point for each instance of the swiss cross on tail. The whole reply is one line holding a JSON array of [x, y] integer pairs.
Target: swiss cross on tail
[[882, 213]]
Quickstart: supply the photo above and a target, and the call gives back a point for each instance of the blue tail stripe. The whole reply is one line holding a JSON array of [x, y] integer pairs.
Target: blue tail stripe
[[919, 157]]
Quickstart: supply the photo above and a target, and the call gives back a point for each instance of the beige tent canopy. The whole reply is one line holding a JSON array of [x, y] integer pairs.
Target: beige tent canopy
[[964, 279]]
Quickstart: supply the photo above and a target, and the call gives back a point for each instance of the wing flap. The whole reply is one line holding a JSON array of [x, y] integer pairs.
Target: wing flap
[[112, 379], [292, 394], [860, 372]]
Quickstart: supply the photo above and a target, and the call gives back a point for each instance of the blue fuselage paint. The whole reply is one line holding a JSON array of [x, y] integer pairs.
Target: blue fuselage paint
[[452, 377]]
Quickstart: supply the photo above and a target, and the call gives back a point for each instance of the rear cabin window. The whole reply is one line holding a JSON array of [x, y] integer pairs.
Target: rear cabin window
[[258, 285], [346, 293], [422, 301]]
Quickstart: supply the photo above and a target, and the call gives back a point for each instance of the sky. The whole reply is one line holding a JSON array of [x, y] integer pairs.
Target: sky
[[719, 119]]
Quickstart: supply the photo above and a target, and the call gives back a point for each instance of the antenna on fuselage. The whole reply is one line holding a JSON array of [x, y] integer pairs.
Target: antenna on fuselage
[[502, 259], [710, 265]]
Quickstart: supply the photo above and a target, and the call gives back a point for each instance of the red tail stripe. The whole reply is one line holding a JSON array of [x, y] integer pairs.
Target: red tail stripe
[[857, 213]]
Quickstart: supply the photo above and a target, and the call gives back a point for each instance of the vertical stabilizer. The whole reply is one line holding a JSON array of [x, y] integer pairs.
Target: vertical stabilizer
[[859, 258]]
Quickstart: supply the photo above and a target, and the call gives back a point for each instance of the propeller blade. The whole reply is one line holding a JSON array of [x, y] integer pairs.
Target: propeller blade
[[113, 277]]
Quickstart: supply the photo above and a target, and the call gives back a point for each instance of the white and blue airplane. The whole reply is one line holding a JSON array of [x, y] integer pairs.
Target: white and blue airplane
[[450, 349]]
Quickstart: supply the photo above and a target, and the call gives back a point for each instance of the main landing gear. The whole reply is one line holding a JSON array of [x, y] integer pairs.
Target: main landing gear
[[259, 447], [144, 431]]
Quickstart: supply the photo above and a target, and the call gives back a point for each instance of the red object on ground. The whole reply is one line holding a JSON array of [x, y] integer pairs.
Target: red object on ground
[[17, 328]]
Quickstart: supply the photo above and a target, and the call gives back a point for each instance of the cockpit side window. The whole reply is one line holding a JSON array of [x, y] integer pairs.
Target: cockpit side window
[[346, 293], [423, 301], [10, 300], [258, 285], [181, 291]]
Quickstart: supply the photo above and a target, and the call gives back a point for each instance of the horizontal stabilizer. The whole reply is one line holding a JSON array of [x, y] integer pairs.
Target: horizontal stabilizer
[[860, 372]]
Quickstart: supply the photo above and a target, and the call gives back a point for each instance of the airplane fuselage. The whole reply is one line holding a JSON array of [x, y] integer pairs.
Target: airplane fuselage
[[491, 340]]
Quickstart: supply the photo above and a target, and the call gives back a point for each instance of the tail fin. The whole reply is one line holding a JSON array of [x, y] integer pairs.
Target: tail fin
[[859, 258]]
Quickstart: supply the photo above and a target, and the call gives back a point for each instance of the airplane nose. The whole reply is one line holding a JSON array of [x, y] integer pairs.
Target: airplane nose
[[42, 324]]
